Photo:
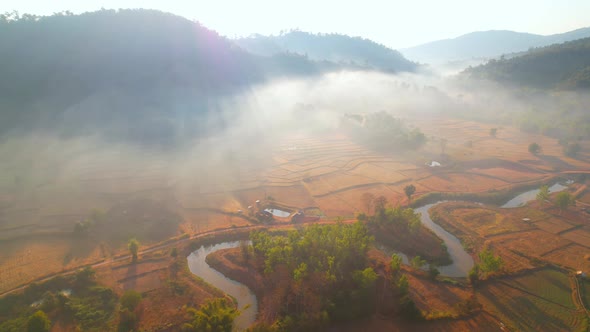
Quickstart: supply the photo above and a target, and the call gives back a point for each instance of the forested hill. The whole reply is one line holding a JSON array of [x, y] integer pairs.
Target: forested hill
[[486, 44], [109, 68], [331, 47], [560, 66]]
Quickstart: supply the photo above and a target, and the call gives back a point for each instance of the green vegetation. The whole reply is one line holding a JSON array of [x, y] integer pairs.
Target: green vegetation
[[319, 272], [417, 262], [130, 299], [543, 194], [493, 132], [155, 71], [563, 200], [382, 131], [535, 148], [215, 315], [331, 47], [489, 262], [90, 307], [133, 246], [401, 229], [565, 66], [545, 296], [38, 322], [409, 190]]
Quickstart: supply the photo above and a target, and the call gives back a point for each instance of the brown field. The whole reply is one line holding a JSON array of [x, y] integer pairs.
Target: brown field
[[327, 171], [541, 300]]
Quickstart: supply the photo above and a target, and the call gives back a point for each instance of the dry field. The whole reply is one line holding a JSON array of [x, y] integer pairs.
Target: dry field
[[328, 171], [538, 301], [562, 238]]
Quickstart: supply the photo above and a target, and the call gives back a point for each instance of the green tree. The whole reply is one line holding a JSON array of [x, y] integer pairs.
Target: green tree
[[490, 262], [543, 194], [417, 262], [133, 246], [213, 316], [563, 200], [130, 299], [409, 190], [493, 132], [38, 322], [474, 274], [534, 148], [433, 271], [403, 284], [395, 264], [174, 252]]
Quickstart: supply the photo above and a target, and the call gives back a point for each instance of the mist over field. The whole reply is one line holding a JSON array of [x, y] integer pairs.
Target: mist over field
[[321, 180]]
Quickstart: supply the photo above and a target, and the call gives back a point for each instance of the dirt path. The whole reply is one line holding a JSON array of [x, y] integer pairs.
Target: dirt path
[[166, 245]]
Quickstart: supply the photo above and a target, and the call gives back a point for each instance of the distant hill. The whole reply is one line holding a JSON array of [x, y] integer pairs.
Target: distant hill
[[104, 70], [485, 44], [559, 66], [331, 47]]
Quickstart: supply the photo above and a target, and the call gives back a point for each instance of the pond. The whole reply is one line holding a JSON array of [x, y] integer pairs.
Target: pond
[[243, 295], [278, 213]]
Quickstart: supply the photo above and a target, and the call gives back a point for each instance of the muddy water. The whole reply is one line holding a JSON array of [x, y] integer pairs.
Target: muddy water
[[462, 261], [243, 295]]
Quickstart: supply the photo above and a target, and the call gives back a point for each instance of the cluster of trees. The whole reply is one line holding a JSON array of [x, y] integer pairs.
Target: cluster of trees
[[488, 264], [331, 47], [401, 228], [565, 66], [215, 315], [90, 306], [383, 131], [562, 200], [99, 71], [316, 274]]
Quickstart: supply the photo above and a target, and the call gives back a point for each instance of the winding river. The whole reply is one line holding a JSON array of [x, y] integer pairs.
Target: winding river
[[243, 295], [462, 261]]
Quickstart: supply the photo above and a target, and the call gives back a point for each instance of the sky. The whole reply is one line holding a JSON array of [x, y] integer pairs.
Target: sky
[[396, 24]]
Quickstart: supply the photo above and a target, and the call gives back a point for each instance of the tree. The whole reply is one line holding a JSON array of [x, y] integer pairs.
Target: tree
[[534, 148], [213, 316], [493, 132], [174, 252], [395, 263], [130, 300], [403, 284], [563, 200], [417, 262], [409, 190], [433, 271], [543, 194], [133, 246], [474, 274], [380, 203], [38, 322], [490, 262], [368, 199]]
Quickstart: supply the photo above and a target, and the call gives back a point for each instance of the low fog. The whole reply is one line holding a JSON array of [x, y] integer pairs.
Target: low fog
[[46, 169]]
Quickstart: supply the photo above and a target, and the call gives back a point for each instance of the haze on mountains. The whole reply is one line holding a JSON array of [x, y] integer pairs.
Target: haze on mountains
[[332, 47], [485, 44]]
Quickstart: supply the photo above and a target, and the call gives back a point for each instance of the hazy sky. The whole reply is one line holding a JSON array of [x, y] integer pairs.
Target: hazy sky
[[396, 24]]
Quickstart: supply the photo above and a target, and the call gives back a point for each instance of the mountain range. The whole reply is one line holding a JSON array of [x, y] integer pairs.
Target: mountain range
[[485, 45], [331, 47]]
